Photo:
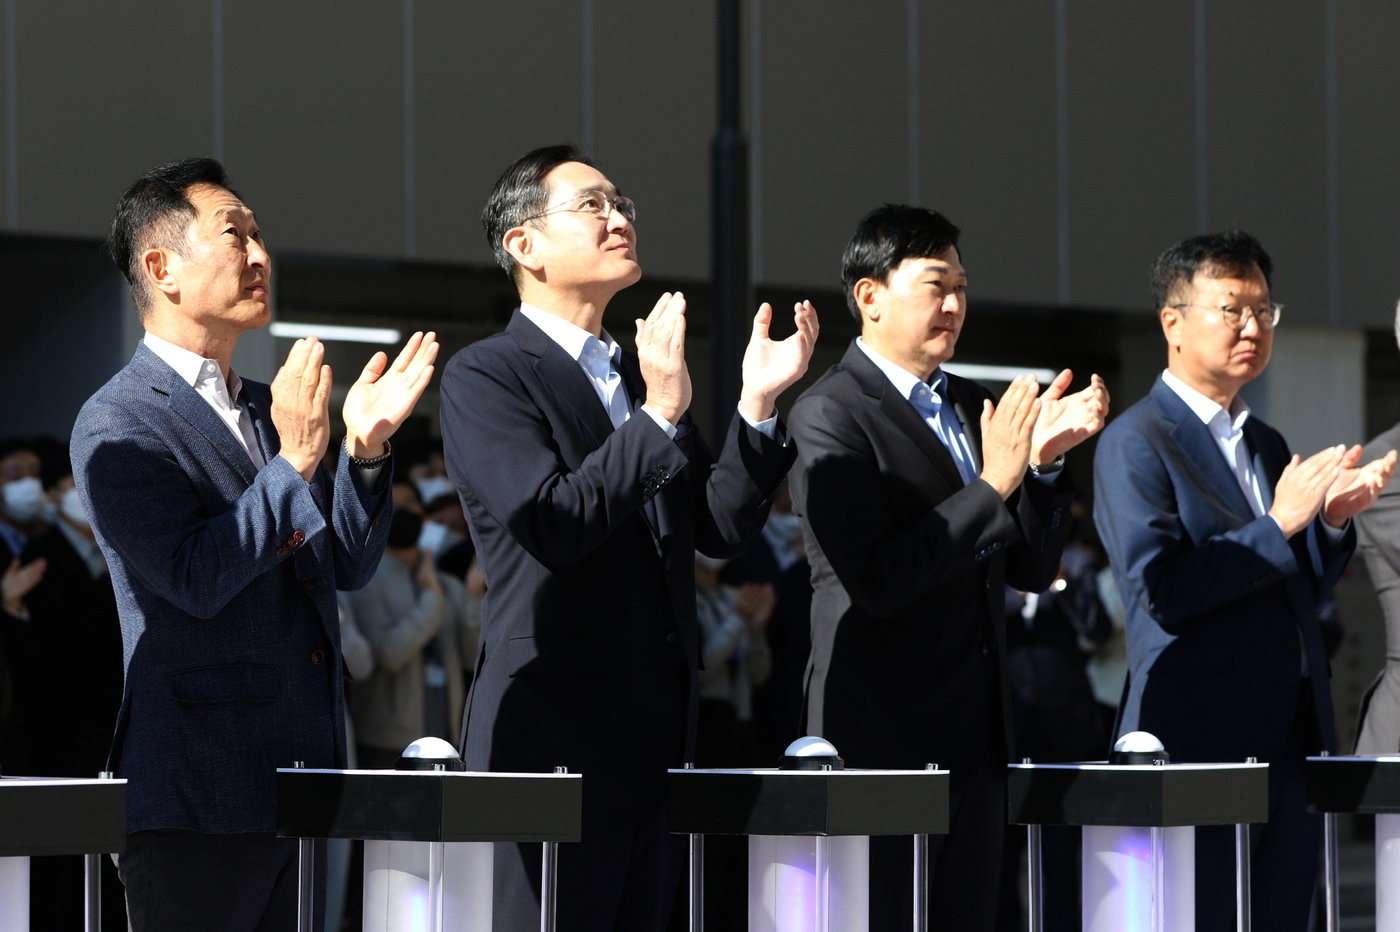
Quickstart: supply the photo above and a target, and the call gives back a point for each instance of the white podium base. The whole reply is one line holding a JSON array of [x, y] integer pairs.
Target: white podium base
[[1143, 879], [14, 893], [1388, 871], [413, 886], [800, 883]]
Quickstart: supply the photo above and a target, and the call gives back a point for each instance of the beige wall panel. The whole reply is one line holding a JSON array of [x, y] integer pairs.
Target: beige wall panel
[[5, 62], [833, 130], [313, 122], [494, 81], [1132, 189], [987, 140], [1368, 83], [104, 95], [1266, 130], [656, 114]]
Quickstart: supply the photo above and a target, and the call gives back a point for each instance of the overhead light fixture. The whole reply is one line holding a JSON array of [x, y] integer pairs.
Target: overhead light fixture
[[972, 370], [327, 332]]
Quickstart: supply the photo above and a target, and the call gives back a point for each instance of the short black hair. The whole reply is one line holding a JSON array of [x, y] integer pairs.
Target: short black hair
[[1233, 252], [521, 192], [156, 212], [886, 237]]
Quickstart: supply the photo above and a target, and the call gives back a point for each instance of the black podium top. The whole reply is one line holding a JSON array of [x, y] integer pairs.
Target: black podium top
[[58, 815], [1354, 784], [1162, 795], [392, 805], [808, 802]]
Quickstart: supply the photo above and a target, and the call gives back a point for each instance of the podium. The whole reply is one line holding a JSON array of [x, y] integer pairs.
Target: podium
[[1369, 785], [808, 837], [1138, 821], [439, 809], [58, 815]]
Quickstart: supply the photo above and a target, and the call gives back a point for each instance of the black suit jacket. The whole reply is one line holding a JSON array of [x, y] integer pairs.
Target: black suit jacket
[[908, 568], [589, 643]]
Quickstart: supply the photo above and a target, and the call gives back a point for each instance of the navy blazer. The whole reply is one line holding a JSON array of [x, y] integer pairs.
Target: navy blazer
[[908, 569], [225, 578], [1222, 609], [589, 642]]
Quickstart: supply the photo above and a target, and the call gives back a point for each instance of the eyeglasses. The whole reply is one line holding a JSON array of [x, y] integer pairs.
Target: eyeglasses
[[1236, 317], [594, 203]]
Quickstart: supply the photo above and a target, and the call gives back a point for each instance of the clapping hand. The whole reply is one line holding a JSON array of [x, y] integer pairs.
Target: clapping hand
[[771, 366], [384, 395]]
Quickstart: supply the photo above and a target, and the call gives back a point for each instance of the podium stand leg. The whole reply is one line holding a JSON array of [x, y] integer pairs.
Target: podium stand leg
[[549, 886], [92, 892], [920, 883], [306, 883], [1242, 919], [1035, 881], [696, 886], [1331, 884]]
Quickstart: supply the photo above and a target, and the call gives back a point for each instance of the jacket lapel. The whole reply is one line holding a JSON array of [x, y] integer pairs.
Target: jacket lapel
[[561, 376], [899, 413], [185, 403], [1217, 480]]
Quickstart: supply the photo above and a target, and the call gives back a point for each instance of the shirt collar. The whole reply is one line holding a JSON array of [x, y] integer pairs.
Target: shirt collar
[[901, 378], [193, 368], [1222, 422], [572, 338]]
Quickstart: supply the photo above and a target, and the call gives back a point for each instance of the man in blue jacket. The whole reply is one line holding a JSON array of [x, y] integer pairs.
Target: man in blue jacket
[[226, 540], [1224, 544]]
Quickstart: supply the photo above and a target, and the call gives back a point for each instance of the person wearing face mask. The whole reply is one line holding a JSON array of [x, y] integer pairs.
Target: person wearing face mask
[[71, 691], [415, 620], [22, 513]]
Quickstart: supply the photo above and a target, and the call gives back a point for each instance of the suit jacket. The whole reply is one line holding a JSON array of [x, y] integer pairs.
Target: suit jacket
[[1222, 610], [589, 644], [225, 579], [1378, 534], [908, 569]]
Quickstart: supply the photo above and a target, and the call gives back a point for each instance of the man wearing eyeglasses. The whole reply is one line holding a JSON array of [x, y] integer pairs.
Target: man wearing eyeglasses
[[589, 490], [1224, 544]]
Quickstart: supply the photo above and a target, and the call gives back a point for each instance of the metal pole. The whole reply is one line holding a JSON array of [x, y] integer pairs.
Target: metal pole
[[92, 892], [1242, 878], [729, 222], [697, 883], [306, 878], [1331, 885], [549, 905], [920, 883], [1035, 881]]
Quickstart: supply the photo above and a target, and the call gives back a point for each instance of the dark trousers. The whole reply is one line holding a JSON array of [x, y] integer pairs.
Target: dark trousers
[[1284, 851], [964, 866], [177, 881], [620, 878]]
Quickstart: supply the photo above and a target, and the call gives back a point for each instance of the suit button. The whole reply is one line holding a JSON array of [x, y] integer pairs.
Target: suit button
[[307, 582], [318, 656], [671, 638]]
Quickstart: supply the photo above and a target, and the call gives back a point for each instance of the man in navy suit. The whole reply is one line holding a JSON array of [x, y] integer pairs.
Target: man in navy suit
[[226, 540], [920, 500], [588, 490], [1224, 544]]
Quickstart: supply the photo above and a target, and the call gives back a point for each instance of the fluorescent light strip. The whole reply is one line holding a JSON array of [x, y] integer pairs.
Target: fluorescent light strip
[[292, 331], [999, 373]]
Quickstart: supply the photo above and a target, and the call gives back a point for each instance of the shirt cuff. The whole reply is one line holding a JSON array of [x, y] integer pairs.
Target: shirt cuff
[[768, 427], [661, 422]]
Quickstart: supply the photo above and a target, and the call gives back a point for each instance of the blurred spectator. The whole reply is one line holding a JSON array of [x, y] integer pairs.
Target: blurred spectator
[[414, 618], [735, 659]]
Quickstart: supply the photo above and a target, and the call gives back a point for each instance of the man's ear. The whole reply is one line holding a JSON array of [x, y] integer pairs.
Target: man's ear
[[160, 267], [523, 245], [1172, 319], [866, 292]]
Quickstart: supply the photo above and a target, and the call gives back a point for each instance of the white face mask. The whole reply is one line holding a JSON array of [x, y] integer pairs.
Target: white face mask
[[434, 487], [71, 507], [25, 500]]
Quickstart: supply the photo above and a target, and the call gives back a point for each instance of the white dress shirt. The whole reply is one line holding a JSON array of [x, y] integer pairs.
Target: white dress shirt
[[204, 376]]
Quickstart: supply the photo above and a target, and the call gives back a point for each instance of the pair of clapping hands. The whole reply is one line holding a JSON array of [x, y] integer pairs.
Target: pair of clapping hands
[[379, 401]]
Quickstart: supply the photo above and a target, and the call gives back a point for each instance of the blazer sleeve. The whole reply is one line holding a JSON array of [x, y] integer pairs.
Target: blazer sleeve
[[169, 519], [858, 517], [733, 493], [1175, 553]]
